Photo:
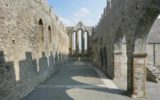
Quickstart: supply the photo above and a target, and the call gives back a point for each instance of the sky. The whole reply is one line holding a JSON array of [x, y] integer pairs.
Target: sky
[[73, 11]]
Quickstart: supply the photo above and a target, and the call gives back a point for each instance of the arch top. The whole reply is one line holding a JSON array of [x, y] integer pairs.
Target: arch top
[[80, 26], [49, 27], [40, 21], [119, 39], [79, 41]]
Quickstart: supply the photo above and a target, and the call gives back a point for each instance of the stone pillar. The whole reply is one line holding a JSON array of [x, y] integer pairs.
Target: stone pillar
[[139, 75], [117, 64]]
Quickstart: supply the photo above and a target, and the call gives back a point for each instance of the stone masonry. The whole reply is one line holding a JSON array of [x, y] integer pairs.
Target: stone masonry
[[132, 19], [33, 46], [86, 30]]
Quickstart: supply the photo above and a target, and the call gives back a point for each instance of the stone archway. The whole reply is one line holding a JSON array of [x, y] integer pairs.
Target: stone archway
[[139, 55], [49, 34], [120, 59], [101, 57], [73, 42], [82, 39], [105, 59], [153, 51], [85, 41], [41, 29], [135, 17], [118, 53]]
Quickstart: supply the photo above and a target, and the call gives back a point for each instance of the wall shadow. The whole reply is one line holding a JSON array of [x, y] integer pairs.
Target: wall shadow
[[23, 76], [58, 86], [7, 76]]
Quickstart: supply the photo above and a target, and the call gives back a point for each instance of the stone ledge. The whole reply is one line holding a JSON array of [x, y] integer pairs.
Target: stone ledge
[[118, 52], [139, 54]]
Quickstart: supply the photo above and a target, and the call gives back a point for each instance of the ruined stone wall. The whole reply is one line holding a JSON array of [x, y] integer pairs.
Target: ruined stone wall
[[150, 49], [26, 60], [153, 58], [157, 55], [120, 17], [134, 19], [80, 27]]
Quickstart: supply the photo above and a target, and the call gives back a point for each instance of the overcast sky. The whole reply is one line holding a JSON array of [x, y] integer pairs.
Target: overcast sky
[[73, 11]]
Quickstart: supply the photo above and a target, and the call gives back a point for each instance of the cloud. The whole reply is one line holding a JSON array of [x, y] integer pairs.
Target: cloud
[[90, 22], [77, 16], [80, 15], [72, 14], [66, 22], [82, 12], [73, 21]]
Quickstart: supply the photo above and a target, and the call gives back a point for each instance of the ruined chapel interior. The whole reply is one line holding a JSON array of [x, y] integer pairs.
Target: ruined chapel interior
[[41, 58]]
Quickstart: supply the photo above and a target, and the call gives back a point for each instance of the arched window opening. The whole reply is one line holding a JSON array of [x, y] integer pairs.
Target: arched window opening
[[120, 58], [74, 41], [85, 41], [80, 40], [40, 22], [50, 35], [124, 62], [104, 58], [153, 50], [41, 30]]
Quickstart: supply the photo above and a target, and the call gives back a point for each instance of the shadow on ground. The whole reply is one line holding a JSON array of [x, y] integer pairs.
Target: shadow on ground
[[76, 81]]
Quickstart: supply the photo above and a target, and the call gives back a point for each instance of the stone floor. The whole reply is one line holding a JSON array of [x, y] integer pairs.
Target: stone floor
[[83, 81]]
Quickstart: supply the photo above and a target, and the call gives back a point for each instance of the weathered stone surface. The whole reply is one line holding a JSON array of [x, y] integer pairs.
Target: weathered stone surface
[[26, 60], [117, 64], [34, 43], [139, 75], [132, 19], [85, 33]]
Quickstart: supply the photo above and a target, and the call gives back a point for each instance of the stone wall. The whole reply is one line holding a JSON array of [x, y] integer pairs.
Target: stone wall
[[86, 33], [134, 19], [150, 51], [153, 54], [33, 45], [157, 55]]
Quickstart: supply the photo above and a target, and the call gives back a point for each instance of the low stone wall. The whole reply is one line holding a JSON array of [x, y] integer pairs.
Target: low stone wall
[[150, 76]]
